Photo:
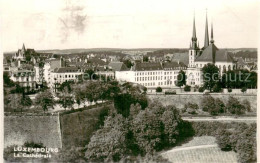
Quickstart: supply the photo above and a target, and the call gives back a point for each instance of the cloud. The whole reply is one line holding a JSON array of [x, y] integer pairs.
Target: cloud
[[73, 20]]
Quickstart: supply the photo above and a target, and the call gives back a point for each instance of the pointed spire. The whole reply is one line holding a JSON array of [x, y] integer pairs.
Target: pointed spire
[[194, 28], [206, 41], [212, 40], [198, 45], [190, 44], [23, 47], [194, 38]]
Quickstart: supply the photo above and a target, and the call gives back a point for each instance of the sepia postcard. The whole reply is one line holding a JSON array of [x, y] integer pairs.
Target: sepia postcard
[[129, 81]]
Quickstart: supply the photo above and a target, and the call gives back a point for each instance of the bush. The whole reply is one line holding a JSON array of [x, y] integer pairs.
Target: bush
[[235, 107], [247, 105], [158, 89], [191, 108], [187, 88], [229, 90], [243, 89], [216, 88], [170, 92], [201, 89], [213, 106]]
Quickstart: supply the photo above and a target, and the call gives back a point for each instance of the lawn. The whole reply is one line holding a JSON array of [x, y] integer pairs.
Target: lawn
[[199, 149]]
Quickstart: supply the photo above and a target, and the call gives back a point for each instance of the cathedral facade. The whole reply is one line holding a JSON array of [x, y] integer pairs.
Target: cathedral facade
[[209, 53]]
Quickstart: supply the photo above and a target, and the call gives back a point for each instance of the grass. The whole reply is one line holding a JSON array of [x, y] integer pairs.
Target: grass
[[199, 150], [78, 127]]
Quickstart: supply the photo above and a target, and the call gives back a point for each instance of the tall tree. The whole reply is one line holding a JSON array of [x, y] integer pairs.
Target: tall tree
[[181, 79], [210, 75], [45, 100]]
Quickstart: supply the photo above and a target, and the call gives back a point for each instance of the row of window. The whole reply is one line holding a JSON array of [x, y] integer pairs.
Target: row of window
[[154, 78], [156, 73], [65, 76]]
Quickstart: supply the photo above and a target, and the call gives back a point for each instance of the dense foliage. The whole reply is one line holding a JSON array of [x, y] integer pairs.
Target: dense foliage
[[143, 132], [217, 106], [210, 76], [187, 88], [181, 79]]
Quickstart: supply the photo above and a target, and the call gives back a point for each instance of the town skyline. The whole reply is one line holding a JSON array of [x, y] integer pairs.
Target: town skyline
[[128, 25]]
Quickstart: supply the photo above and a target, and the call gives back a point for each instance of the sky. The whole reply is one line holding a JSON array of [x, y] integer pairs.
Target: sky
[[69, 24]]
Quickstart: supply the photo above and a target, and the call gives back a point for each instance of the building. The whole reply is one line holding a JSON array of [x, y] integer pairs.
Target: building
[[152, 75], [25, 78], [209, 53], [64, 74]]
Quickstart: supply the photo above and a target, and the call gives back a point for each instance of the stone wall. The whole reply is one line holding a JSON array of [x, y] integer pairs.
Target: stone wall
[[37, 129]]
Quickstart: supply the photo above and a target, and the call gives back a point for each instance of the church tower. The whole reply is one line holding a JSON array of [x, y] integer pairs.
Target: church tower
[[206, 40], [194, 50]]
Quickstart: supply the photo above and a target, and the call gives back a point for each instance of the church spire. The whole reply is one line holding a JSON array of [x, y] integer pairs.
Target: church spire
[[194, 38], [194, 28], [212, 39], [206, 41], [23, 48]]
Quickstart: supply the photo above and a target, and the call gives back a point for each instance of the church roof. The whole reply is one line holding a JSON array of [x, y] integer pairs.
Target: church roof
[[118, 66], [208, 54], [148, 66], [213, 54], [224, 56], [174, 65]]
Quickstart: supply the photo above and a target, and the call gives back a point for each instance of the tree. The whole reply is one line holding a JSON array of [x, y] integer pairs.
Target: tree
[[210, 75], [128, 63], [7, 81], [158, 89], [216, 88], [181, 79], [108, 143], [26, 101], [220, 106], [147, 129], [45, 100], [145, 58]]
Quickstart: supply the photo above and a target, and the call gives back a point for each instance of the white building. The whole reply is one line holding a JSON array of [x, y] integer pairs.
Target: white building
[[63, 74], [152, 75]]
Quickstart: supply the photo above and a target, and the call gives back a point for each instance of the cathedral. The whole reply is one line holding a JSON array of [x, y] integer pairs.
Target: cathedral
[[209, 53]]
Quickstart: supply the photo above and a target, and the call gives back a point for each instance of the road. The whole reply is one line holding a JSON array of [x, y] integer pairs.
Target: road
[[239, 119]]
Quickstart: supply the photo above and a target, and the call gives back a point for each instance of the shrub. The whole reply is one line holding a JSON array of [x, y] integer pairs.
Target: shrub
[[235, 107], [229, 90], [191, 108], [170, 92], [187, 88], [158, 89], [247, 105], [243, 89], [201, 89], [216, 88], [207, 103], [220, 106], [213, 106]]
